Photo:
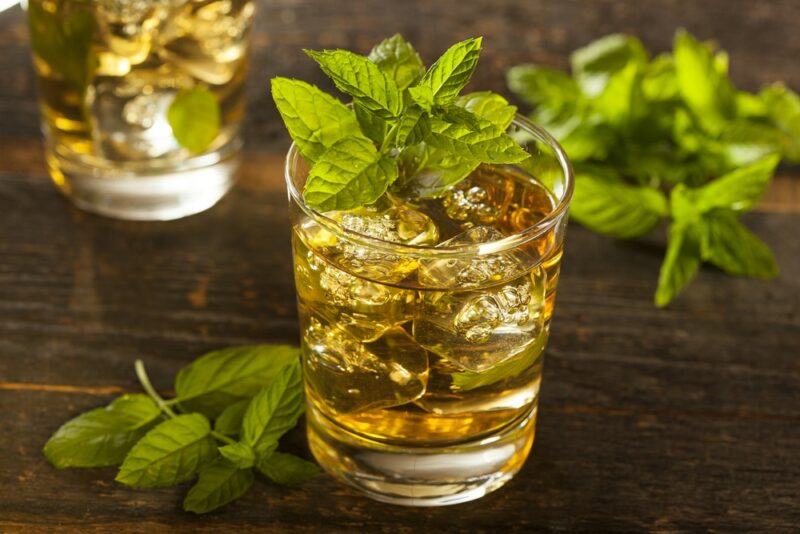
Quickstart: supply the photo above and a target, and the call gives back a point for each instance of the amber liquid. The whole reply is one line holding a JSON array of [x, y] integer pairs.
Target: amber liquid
[[415, 352]]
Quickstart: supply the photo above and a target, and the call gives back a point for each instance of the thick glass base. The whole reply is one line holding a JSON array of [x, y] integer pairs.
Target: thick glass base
[[421, 476], [147, 191]]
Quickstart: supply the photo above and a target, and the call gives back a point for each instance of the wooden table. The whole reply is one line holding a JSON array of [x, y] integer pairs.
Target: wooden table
[[676, 419]]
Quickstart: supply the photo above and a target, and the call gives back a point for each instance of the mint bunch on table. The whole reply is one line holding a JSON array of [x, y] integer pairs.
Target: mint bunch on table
[[252, 394], [671, 138], [407, 130]]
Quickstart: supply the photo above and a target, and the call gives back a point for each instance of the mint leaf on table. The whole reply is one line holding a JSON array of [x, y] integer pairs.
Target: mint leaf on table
[[680, 263], [194, 117], [445, 79], [595, 64], [170, 453], [738, 190], [220, 483], [362, 79], [539, 85], [351, 173], [103, 436], [239, 454], [229, 421], [398, 59], [315, 119], [274, 410], [287, 469], [730, 246], [220, 378], [614, 208], [782, 106]]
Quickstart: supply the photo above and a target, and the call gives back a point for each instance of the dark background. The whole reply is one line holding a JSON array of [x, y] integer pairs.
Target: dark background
[[686, 418]]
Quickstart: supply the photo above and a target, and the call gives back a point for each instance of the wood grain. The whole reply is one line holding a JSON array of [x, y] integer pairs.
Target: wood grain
[[651, 420]]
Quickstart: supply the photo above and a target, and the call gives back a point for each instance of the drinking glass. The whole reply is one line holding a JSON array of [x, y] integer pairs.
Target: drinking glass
[[141, 101], [422, 361]]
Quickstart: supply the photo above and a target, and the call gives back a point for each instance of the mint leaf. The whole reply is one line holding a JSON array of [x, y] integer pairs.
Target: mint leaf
[[223, 377], [371, 125], [315, 120], [274, 410], [738, 190], [239, 454], [782, 105], [488, 144], [659, 80], [288, 469], [733, 248], [703, 82], [595, 64], [622, 100], [220, 483], [398, 59], [437, 172], [745, 142], [469, 380], [413, 126], [361, 78], [229, 421], [103, 436], [349, 174], [615, 208], [457, 115], [680, 264], [194, 117], [538, 85], [170, 453], [489, 106], [449, 74]]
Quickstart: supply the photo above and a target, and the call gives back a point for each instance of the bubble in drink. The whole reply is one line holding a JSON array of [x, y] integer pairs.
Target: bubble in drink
[[352, 376]]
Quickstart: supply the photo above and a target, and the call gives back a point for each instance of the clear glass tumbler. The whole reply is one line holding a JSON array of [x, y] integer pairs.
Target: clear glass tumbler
[[422, 362], [141, 100]]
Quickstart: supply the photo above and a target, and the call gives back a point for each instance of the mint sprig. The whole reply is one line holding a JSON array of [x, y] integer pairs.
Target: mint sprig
[[407, 128], [253, 392], [667, 138]]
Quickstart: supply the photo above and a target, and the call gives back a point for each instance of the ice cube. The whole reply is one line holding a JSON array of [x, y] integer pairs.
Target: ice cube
[[482, 199], [130, 122], [209, 41], [128, 28], [350, 376], [364, 309], [474, 326]]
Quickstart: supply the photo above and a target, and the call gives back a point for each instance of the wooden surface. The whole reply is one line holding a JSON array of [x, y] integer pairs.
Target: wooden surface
[[680, 419]]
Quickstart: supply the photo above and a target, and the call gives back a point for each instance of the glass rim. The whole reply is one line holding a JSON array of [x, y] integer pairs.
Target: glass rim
[[491, 247]]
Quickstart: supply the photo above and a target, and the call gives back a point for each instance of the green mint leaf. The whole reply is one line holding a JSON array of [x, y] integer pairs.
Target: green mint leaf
[[315, 120], [782, 105], [229, 421], [288, 469], [703, 82], [738, 190], [488, 144], [469, 380], [744, 142], [422, 96], [438, 173], [398, 59], [621, 101], [450, 73], [733, 248], [62, 38], [170, 453], [239, 454], [372, 126], [220, 378], [684, 204], [595, 64], [362, 79], [680, 264], [750, 106], [489, 106], [457, 115], [219, 483], [539, 86], [103, 436], [615, 208], [413, 126], [351, 173], [659, 80], [194, 117], [274, 410]]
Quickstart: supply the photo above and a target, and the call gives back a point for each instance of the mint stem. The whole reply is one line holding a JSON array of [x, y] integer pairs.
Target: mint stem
[[390, 136], [223, 438], [144, 380]]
